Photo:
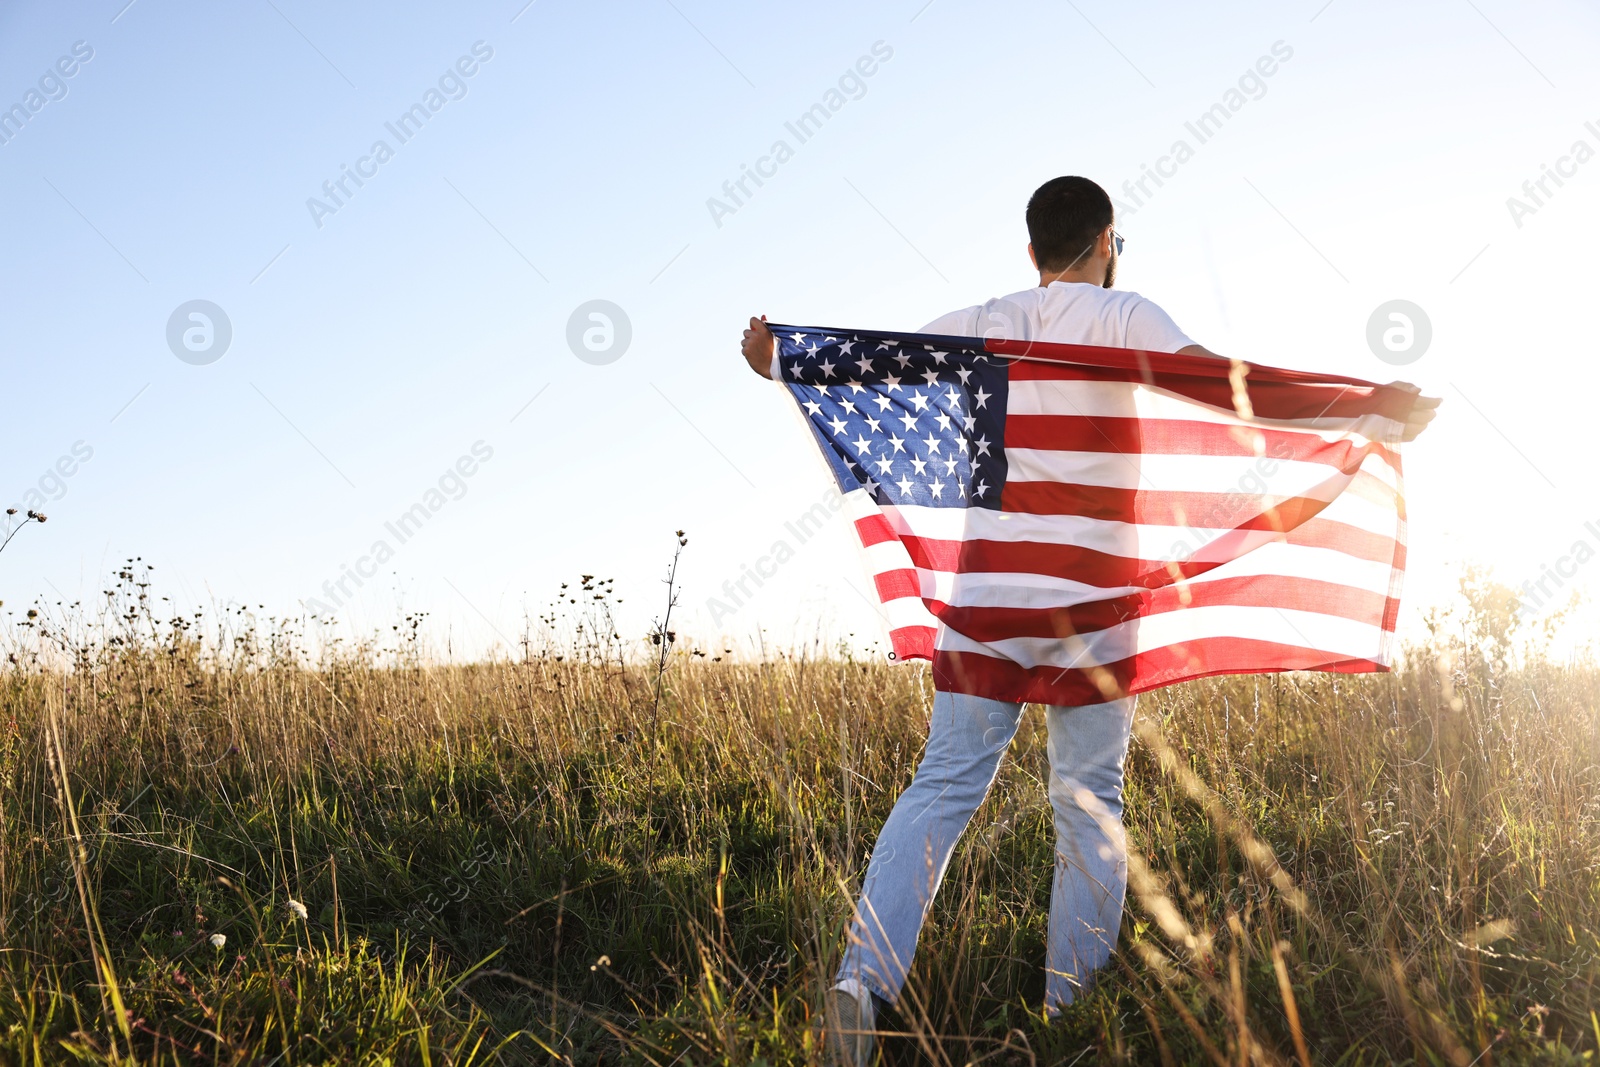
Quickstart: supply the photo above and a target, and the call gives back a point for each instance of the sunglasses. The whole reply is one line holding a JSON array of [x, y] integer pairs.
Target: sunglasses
[[1117, 241]]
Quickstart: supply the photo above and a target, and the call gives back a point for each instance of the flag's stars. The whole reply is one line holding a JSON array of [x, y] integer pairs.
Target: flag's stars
[[826, 367], [981, 488], [813, 349], [856, 387], [980, 396], [931, 377], [874, 425], [904, 485], [969, 423], [884, 344], [848, 406], [813, 409], [932, 444], [891, 383], [950, 465], [965, 373], [919, 465], [938, 357], [823, 389], [844, 349], [908, 420], [920, 401], [798, 338], [885, 465], [936, 488], [954, 398], [983, 445], [883, 401], [902, 359], [838, 425], [870, 486], [961, 443], [864, 363], [899, 445], [863, 446], [943, 421]]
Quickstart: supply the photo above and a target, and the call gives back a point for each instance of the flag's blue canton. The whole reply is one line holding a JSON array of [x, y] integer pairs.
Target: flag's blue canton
[[915, 422]]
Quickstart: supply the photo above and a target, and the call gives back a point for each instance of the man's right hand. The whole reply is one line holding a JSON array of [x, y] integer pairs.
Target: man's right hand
[[1422, 412], [757, 347]]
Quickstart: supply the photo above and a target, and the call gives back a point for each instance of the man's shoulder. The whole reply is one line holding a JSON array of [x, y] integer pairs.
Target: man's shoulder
[[967, 322]]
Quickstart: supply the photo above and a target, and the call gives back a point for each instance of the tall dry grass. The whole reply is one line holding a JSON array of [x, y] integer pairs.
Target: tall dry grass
[[507, 860]]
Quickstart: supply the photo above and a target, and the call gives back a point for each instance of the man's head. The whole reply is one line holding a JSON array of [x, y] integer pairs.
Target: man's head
[[1069, 230]]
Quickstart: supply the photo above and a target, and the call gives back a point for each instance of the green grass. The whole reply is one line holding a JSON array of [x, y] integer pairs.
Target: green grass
[[500, 862]]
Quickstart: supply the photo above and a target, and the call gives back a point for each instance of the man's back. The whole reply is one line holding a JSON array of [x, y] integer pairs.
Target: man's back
[[1076, 313]]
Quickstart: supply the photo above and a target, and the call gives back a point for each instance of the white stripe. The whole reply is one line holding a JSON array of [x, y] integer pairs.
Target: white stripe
[[908, 611], [1174, 473], [1339, 637]]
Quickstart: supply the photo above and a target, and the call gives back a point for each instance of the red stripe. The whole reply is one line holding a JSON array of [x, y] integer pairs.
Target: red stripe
[[1183, 437], [998, 679], [893, 585], [1029, 557], [912, 642], [1158, 507], [989, 624], [1275, 393], [1351, 540], [874, 529]]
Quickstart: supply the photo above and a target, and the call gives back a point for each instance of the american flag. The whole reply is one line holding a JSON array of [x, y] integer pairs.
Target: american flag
[[1066, 524]]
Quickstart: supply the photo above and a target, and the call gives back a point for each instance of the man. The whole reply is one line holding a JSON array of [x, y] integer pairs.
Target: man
[[1075, 249]]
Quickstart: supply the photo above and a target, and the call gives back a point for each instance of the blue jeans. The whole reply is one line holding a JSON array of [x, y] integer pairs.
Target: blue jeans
[[967, 735]]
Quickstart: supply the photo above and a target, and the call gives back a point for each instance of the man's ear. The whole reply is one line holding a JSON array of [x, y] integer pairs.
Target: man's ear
[[1031, 257]]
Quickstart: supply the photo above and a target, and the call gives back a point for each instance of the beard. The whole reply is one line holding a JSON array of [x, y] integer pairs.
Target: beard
[[1111, 272]]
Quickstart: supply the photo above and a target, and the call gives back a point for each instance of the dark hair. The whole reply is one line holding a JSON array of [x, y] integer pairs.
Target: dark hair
[[1065, 215]]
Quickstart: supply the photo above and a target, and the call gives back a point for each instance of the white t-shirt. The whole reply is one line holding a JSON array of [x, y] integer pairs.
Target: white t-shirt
[[1069, 313], [1073, 313]]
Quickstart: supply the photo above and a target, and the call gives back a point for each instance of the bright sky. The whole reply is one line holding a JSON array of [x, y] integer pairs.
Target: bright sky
[[380, 337]]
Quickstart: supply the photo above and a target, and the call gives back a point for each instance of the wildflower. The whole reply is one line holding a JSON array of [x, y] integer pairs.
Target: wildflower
[[299, 910], [218, 940], [603, 961]]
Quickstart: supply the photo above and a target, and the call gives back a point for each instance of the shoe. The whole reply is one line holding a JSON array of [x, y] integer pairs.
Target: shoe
[[849, 1019]]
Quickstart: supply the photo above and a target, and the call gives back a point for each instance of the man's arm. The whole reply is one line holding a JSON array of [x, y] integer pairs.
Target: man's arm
[[1423, 408], [757, 347]]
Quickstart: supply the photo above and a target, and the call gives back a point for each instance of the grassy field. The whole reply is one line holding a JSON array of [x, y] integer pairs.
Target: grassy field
[[247, 857]]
